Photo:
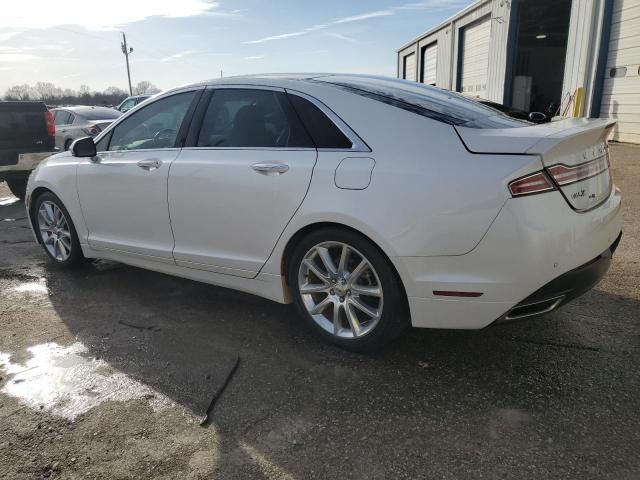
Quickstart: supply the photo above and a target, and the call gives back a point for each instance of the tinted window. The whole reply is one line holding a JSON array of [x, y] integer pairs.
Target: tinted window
[[128, 105], [323, 131], [432, 102], [62, 117], [106, 114], [155, 126], [102, 145], [71, 118], [247, 118]]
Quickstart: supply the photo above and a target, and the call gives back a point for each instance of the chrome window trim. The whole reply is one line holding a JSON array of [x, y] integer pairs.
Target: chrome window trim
[[273, 149], [358, 145]]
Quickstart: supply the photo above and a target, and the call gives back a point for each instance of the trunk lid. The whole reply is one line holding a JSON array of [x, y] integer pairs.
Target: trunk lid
[[574, 152]]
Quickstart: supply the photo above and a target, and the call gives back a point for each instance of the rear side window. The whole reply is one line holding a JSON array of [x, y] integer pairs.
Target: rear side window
[[251, 118], [62, 117], [323, 131]]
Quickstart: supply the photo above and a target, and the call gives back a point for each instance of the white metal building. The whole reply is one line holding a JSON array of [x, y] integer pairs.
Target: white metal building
[[561, 57]]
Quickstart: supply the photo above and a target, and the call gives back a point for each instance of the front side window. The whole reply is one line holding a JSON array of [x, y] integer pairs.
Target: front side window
[[251, 118], [155, 126]]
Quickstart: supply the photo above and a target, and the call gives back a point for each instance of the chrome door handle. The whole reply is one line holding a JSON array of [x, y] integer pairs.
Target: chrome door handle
[[270, 168], [150, 164]]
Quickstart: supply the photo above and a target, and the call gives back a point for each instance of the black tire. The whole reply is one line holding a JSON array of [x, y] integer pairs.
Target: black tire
[[67, 144], [395, 312], [18, 188], [76, 258]]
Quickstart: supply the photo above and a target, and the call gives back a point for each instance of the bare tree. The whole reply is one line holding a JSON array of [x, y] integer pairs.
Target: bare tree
[[145, 87], [115, 91], [47, 91], [21, 92]]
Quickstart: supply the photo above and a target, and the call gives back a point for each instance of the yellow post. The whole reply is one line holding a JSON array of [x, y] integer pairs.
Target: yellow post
[[577, 102]]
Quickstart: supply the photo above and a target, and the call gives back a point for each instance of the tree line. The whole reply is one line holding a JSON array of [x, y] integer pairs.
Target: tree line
[[52, 95]]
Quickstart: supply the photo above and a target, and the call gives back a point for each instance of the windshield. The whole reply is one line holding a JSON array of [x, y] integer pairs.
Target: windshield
[[106, 114], [433, 102]]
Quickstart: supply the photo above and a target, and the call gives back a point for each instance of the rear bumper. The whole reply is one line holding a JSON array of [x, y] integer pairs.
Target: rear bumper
[[564, 288], [535, 247], [25, 164]]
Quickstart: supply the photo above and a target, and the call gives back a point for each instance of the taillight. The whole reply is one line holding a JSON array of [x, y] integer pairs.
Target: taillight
[[51, 125], [92, 131], [564, 175], [528, 185]]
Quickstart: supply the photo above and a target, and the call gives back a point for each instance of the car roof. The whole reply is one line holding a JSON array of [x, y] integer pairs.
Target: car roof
[[84, 110]]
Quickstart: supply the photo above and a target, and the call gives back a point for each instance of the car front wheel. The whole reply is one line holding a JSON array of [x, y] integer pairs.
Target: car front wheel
[[56, 232], [347, 289]]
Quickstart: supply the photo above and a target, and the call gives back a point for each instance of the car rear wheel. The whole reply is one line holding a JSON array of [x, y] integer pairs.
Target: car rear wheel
[[56, 232], [347, 290]]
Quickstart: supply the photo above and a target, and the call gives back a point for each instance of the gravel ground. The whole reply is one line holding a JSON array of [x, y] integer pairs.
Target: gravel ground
[[107, 372]]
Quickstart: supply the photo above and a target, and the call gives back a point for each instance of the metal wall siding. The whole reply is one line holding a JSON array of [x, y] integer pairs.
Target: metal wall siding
[[500, 18], [581, 44], [621, 93]]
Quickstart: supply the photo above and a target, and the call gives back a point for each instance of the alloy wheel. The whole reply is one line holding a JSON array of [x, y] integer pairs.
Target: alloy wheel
[[340, 289], [54, 231]]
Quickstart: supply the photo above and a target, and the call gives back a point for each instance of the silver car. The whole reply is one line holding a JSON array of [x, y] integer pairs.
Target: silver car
[[77, 122]]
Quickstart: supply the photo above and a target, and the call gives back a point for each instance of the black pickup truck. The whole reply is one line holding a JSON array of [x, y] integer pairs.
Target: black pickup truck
[[27, 135]]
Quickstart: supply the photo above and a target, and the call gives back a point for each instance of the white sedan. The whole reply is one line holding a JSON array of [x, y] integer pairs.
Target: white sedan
[[371, 203]]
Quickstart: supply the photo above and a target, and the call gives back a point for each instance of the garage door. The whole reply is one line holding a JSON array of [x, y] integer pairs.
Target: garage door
[[621, 92], [429, 63], [409, 67], [475, 58]]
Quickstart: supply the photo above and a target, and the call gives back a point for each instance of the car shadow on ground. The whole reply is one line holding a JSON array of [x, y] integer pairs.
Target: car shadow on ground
[[181, 338], [294, 398]]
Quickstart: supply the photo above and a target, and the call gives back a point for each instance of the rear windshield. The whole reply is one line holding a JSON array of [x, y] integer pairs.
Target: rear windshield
[[106, 114], [428, 101]]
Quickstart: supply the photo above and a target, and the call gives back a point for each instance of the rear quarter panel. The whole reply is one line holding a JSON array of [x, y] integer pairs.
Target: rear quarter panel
[[428, 195]]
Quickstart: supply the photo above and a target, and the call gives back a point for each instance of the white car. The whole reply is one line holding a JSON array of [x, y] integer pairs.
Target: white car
[[371, 203]]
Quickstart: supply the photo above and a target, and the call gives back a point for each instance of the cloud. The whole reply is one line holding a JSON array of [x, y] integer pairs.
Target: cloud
[[16, 57], [340, 36], [254, 57], [7, 35], [427, 4], [364, 16], [40, 14], [176, 56], [288, 35]]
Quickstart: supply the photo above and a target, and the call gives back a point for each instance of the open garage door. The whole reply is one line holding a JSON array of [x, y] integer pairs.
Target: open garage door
[[475, 58], [621, 92]]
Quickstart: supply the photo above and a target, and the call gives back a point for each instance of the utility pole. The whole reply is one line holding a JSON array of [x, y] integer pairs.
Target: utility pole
[[127, 50]]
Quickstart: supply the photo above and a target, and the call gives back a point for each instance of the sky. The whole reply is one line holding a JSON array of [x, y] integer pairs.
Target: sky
[[75, 42]]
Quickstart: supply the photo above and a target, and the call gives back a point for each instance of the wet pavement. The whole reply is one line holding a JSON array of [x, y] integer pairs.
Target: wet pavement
[[107, 371]]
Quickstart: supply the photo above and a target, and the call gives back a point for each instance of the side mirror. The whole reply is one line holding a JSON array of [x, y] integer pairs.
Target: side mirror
[[84, 147], [537, 117]]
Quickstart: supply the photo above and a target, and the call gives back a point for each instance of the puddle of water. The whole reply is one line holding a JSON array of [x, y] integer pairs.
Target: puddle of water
[[33, 287], [8, 200], [67, 382]]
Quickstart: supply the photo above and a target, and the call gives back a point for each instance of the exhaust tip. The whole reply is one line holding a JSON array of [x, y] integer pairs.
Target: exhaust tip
[[535, 308]]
